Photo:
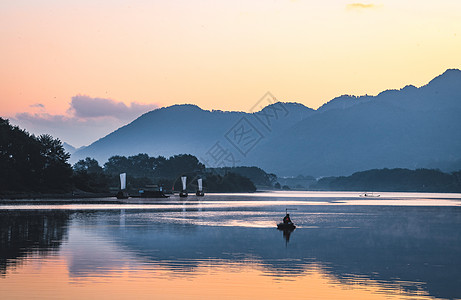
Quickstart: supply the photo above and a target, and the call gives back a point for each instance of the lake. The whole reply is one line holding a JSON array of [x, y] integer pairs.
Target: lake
[[226, 246]]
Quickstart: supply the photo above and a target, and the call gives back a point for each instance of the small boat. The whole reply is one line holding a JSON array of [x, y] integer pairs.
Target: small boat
[[122, 194], [200, 192], [152, 194], [369, 195], [152, 191], [183, 192], [286, 226]]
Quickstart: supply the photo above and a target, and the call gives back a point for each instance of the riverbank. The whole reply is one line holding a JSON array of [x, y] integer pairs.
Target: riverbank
[[309, 198], [64, 196]]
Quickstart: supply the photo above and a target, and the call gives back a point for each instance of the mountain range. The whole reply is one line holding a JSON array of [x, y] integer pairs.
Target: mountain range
[[407, 128]]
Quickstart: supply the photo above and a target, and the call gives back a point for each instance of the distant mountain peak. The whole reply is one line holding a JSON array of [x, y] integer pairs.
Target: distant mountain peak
[[451, 77], [172, 109], [343, 102], [184, 106], [287, 105], [409, 88], [68, 147], [449, 73], [195, 108], [452, 71]]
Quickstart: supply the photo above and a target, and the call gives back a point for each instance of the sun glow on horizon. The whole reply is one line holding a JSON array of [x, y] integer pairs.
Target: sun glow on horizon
[[217, 54]]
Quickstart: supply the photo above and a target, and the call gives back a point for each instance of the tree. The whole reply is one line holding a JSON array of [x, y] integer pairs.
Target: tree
[[141, 165], [89, 165], [20, 159], [89, 176], [29, 163], [178, 165], [230, 182], [116, 164], [56, 171]]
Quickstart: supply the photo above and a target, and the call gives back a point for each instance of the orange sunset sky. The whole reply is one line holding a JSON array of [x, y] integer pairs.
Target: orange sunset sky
[[69, 67]]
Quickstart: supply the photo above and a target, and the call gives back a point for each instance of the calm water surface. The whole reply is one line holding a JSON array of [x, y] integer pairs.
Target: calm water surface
[[400, 245]]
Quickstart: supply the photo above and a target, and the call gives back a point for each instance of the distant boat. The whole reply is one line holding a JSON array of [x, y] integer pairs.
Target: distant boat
[[152, 194], [183, 192], [200, 192], [122, 194], [371, 195], [152, 191]]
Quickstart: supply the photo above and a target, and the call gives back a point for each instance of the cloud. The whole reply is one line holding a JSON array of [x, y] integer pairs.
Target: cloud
[[360, 6], [86, 107], [37, 105], [40, 117], [75, 131], [87, 119]]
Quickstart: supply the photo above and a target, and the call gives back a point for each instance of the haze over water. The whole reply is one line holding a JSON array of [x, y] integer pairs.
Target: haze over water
[[400, 245]]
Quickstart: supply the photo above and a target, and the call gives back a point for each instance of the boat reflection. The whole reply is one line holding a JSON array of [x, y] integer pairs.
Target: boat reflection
[[287, 234]]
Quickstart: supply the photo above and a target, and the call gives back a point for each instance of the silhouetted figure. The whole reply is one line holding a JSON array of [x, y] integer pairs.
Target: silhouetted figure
[[286, 224], [286, 219]]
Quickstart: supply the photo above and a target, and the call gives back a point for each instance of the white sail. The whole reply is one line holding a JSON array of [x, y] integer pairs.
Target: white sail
[[199, 181], [183, 179], [123, 181]]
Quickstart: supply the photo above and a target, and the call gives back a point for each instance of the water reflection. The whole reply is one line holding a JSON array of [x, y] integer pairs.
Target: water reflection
[[410, 249], [25, 233]]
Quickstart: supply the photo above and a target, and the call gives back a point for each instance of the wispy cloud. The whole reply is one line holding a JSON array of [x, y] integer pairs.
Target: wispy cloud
[[37, 105], [360, 6], [87, 107]]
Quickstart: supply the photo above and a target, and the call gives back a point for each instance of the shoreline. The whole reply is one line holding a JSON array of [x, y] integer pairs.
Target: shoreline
[[81, 195], [294, 198], [34, 196], [56, 196]]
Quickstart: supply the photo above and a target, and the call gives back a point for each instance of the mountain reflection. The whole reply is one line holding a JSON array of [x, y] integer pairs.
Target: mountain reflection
[[416, 249], [26, 233]]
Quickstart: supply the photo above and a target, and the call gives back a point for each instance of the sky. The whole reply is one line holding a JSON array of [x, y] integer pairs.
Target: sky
[[80, 69]]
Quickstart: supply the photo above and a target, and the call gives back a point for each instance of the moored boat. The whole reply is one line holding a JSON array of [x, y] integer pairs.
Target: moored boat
[[152, 191], [122, 193], [152, 194], [183, 192], [200, 192]]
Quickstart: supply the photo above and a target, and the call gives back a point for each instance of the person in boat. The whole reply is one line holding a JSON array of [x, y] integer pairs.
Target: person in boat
[[286, 219]]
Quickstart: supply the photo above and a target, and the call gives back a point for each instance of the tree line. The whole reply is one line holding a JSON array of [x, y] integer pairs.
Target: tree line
[[143, 170], [30, 163], [395, 180]]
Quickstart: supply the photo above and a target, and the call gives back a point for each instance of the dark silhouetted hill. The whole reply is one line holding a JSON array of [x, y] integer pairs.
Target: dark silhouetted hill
[[185, 129], [390, 180], [407, 128]]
